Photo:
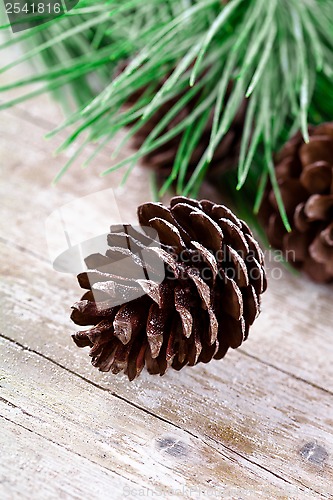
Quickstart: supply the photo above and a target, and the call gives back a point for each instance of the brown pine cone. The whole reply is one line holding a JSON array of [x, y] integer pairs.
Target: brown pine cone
[[209, 294], [305, 176]]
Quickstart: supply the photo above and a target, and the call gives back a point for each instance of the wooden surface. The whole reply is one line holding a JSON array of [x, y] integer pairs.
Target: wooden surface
[[257, 424]]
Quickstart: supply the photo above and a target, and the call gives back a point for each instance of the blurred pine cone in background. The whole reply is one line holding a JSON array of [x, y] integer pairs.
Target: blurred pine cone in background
[[304, 173], [225, 156], [162, 158], [206, 300]]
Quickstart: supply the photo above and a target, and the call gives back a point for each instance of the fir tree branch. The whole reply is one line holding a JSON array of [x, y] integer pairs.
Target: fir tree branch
[[278, 55]]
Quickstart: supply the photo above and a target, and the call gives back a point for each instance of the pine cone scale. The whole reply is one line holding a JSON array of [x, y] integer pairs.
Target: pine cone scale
[[182, 307], [319, 207], [231, 299], [129, 321], [318, 147], [156, 329], [317, 177]]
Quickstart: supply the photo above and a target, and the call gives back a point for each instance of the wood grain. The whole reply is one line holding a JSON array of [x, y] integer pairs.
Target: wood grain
[[117, 436], [36, 467], [258, 413], [257, 424]]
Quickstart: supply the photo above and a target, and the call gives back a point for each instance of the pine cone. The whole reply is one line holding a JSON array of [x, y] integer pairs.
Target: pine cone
[[208, 297], [162, 159], [305, 176]]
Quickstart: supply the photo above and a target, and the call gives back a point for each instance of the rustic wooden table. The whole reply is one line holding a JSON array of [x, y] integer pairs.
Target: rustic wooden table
[[257, 424]]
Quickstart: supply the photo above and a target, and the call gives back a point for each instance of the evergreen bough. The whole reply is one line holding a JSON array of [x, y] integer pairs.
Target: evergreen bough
[[277, 53]]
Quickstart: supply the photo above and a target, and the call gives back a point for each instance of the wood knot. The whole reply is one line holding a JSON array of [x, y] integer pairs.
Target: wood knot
[[314, 453], [172, 446]]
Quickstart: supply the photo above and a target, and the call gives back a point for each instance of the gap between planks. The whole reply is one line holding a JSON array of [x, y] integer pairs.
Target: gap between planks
[[299, 347], [304, 409]]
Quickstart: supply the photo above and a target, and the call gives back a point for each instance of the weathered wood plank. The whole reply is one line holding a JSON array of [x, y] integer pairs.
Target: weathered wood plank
[[69, 414], [285, 335], [255, 411], [33, 466], [294, 329]]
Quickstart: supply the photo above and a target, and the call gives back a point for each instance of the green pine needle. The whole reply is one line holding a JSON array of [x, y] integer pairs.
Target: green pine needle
[[277, 54]]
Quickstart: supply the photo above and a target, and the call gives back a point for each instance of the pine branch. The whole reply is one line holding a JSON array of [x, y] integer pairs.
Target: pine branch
[[278, 54]]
